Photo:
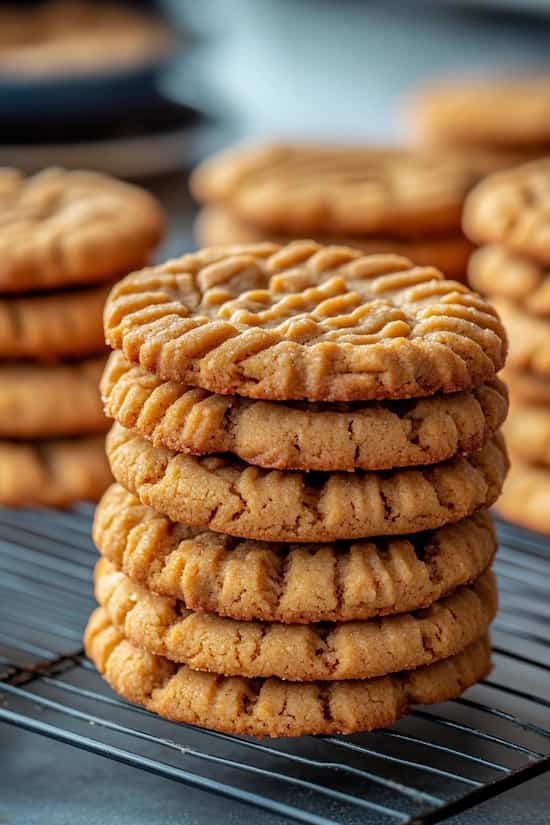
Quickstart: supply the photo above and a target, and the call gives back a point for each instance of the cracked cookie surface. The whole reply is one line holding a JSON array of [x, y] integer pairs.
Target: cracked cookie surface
[[299, 653], [224, 494], [290, 583], [305, 322], [513, 208], [41, 401], [301, 436], [448, 253], [272, 707], [60, 227], [53, 472], [306, 189]]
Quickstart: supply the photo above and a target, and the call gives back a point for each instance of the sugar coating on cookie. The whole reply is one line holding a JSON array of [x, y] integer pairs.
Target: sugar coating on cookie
[[305, 321], [59, 228]]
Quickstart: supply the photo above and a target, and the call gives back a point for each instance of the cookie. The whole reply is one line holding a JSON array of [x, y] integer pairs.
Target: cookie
[[525, 498], [501, 113], [53, 473], [527, 432], [448, 253], [39, 401], [55, 325], [303, 190], [495, 272], [529, 339], [305, 322], [226, 495], [299, 653], [513, 208], [301, 436], [272, 707], [290, 583], [59, 228], [526, 387]]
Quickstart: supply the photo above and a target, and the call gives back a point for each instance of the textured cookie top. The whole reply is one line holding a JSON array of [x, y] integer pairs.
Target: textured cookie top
[[273, 707], [61, 227], [302, 436], [513, 208], [494, 271], [224, 494], [510, 112], [305, 321], [297, 583], [300, 653], [308, 189]]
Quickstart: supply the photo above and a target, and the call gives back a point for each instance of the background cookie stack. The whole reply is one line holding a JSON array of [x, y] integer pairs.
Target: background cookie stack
[[375, 200], [510, 213], [500, 121], [64, 238], [276, 409]]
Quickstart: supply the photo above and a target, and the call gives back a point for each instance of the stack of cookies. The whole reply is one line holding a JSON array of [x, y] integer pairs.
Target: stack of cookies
[[64, 238], [376, 200], [499, 121], [306, 444], [510, 213]]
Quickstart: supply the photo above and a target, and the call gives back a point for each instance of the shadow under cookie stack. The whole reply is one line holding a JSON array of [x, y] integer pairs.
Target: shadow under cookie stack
[[64, 238], [306, 442], [510, 213]]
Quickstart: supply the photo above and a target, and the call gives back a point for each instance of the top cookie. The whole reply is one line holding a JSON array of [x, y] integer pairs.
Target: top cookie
[[502, 113], [310, 189], [513, 208], [59, 228], [303, 321]]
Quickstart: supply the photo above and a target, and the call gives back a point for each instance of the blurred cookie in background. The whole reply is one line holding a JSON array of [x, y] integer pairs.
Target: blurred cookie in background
[[499, 121], [375, 199]]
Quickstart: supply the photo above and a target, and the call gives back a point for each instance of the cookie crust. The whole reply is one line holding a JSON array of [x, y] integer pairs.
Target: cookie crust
[[226, 495], [299, 653], [305, 322], [370, 436], [271, 707], [289, 583]]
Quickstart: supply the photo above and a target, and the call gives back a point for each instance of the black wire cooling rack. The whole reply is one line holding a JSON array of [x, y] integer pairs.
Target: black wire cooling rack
[[439, 761]]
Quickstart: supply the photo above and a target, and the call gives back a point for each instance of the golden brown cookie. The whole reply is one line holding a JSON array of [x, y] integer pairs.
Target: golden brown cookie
[[53, 473], [226, 495], [500, 113], [526, 387], [527, 433], [305, 322], [495, 272], [290, 583], [55, 325], [299, 653], [39, 401], [513, 208], [529, 339], [448, 253], [525, 498], [60, 228], [303, 190], [272, 707], [301, 436]]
